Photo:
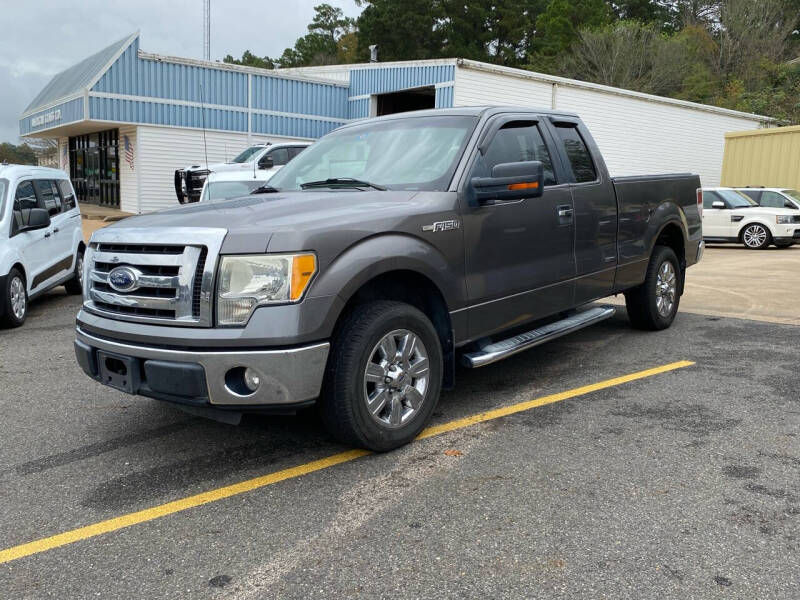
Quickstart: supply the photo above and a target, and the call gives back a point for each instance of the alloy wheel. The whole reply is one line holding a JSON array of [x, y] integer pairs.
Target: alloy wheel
[[666, 288], [754, 236], [18, 300], [396, 378]]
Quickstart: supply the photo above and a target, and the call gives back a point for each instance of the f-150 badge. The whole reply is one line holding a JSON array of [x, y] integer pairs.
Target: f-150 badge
[[442, 226]]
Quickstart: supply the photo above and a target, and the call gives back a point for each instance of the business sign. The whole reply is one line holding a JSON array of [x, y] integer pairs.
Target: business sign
[[53, 115]]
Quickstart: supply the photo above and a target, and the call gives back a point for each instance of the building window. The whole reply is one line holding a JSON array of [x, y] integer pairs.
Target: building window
[[94, 167]]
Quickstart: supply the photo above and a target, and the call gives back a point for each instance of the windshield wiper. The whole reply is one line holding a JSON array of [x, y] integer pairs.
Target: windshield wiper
[[343, 182], [264, 189]]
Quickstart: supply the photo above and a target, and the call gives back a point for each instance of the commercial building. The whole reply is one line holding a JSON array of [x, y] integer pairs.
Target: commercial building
[[125, 119], [764, 157]]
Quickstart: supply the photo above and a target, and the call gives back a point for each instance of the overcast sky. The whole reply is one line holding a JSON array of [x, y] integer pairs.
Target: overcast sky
[[42, 37]]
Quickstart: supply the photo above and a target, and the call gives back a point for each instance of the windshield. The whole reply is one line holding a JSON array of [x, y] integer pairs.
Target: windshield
[[222, 190], [401, 154], [736, 199], [248, 154], [793, 194]]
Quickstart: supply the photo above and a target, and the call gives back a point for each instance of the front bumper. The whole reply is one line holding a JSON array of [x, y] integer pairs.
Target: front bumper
[[787, 234], [288, 376]]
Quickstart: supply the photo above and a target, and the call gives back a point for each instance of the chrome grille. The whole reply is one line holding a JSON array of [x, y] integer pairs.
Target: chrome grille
[[169, 283]]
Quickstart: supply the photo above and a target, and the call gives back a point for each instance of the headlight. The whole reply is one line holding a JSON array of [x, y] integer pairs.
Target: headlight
[[784, 219], [246, 282]]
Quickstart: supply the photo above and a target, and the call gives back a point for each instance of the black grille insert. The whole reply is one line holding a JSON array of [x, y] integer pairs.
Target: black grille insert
[[139, 312], [198, 282], [140, 249]]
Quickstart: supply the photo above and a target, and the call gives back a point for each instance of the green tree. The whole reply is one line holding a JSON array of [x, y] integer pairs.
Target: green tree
[[403, 30], [19, 155], [251, 60]]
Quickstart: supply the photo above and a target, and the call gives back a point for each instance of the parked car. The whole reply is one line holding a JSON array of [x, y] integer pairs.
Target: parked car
[[260, 157], [773, 197], [41, 241], [385, 252], [233, 184], [730, 216]]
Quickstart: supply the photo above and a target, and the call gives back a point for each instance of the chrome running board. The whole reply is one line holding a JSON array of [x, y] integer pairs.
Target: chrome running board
[[505, 348]]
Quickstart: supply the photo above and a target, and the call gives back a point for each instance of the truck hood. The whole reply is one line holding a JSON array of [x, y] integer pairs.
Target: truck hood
[[295, 218]]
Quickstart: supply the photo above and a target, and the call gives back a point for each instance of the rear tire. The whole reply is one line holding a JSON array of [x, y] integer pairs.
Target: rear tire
[[383, 378], [75, 285], [756, 237], [654, 304], [16, 300]]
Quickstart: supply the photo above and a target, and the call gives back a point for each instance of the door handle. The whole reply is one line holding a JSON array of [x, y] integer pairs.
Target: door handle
[[565, 211], [56, 230], [47, 235]]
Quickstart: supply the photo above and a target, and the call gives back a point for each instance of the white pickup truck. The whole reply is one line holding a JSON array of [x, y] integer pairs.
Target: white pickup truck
[[41, 241], [266, 158]]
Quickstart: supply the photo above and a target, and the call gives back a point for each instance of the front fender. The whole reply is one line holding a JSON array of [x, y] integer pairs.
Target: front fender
[[382, 253]]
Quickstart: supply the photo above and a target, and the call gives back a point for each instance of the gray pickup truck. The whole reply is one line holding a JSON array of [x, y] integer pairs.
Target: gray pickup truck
[[381, 256]]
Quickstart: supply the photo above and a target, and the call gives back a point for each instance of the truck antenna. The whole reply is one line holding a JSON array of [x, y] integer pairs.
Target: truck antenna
[[203, 117]]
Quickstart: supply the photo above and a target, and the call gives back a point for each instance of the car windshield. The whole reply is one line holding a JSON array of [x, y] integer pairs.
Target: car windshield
[[736, 199], [222, 190], [793, 194], [248, 154], [411, 153]]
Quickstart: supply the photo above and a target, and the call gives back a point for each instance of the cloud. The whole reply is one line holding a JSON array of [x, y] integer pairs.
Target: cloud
[[49, 36]]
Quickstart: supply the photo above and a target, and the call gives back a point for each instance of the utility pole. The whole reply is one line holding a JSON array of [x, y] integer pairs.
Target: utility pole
[[207, 29]]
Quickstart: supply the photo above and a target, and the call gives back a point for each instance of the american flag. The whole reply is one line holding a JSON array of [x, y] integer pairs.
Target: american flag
[[128, 151]]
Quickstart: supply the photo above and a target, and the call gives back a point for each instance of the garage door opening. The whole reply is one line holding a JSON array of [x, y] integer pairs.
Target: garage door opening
[[397, 102]]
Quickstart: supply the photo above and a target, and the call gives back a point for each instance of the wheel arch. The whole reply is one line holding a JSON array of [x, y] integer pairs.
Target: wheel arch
[[672, 235], [755, 221]]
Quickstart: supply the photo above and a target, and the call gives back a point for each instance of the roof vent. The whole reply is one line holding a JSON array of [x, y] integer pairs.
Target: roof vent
[[373, 53]]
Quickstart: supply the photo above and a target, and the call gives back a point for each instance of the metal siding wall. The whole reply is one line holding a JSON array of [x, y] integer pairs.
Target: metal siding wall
[[293, 96], [389, 79], [477, 88], [71, 111], [135, 77], [640, 137], [444, 97], [155, 113], [359, 108], [292, 126], [768, 158]]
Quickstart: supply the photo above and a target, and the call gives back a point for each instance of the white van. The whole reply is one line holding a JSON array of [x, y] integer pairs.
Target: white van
[[41, 241]]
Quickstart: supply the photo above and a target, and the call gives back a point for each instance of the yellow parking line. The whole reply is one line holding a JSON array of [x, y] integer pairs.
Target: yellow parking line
[[148, 514]]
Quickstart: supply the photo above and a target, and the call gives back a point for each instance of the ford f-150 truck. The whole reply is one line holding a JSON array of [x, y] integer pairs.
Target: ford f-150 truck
[[383, 254]]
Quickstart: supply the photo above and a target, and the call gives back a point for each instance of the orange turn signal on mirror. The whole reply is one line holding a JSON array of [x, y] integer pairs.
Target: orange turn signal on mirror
[[528, 185]]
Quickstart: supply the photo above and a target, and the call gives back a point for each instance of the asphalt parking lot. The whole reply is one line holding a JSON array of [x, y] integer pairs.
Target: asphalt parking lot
[[684, 481]]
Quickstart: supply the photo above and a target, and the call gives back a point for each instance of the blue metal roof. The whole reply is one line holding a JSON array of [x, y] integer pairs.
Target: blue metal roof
[[78, 77]]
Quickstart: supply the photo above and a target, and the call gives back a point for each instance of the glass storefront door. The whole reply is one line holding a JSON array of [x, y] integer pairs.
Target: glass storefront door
[[94, 167]]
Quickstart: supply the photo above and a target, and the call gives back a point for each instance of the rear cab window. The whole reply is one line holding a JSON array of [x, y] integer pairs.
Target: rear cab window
[[577, 153], [67, 195], [49, 196]]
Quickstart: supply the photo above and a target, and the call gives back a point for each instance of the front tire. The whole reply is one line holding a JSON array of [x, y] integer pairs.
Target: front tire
[[75, 285], [654, 304], [383, 378], [756, 237], [16, 300]]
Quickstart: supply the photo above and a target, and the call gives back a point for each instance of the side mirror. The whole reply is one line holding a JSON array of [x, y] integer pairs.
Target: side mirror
[[718, 204], [510, 181], [38, 218], [266, 163]]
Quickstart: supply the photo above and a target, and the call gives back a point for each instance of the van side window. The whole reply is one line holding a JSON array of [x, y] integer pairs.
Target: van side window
[[517, 141], [66, 194], [51, 202], [578, 154], [24, 200]]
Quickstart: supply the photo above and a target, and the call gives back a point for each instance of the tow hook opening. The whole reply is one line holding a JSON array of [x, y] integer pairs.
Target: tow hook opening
[[116, 366]]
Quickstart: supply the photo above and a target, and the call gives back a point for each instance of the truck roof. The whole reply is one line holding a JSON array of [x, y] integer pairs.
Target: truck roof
[[475, 111]]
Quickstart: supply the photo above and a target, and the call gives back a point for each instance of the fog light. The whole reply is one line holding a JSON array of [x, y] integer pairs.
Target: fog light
[[251, 379]]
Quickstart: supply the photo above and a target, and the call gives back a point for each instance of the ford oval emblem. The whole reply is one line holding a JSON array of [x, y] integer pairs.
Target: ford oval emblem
[[123, 279]]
